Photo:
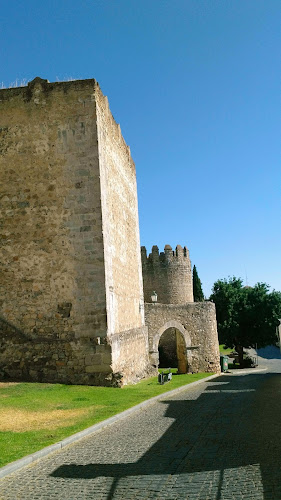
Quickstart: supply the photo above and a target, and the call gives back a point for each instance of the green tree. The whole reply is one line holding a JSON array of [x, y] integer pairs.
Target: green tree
[[197, 286], [246, 316]]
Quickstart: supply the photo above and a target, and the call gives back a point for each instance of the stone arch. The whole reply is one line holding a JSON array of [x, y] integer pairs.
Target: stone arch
[[183, 342]]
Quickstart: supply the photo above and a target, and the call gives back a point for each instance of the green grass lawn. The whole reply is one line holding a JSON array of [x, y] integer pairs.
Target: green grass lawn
[[33, 416], [224, 350], [166, 370]]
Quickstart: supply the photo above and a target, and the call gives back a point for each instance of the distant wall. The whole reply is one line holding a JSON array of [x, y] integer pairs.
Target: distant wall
[[169, 274]]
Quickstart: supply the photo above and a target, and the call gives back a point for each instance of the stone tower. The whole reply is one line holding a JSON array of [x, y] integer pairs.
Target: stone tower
[[71, 299], [169, 274]]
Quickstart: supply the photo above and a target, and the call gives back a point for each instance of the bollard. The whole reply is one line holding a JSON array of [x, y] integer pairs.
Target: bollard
[[164, 377]]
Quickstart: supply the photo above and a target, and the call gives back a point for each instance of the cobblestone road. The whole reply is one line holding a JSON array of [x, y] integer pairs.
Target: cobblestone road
[[220, 440]]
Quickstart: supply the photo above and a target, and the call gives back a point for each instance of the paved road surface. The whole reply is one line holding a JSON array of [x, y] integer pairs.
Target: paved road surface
[[220, 440], [268, 357]]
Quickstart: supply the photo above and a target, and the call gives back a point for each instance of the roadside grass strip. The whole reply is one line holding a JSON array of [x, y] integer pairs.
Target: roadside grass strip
[[33, 415]]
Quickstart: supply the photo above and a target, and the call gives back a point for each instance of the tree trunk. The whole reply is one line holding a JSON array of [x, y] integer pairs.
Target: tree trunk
[[240, 352]]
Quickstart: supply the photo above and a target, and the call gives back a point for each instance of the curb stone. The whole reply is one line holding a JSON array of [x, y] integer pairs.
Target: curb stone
[[245, 371], [23, 462]]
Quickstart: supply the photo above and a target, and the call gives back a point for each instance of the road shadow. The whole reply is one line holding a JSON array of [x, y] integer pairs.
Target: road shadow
[[228, 428], [269, 352]]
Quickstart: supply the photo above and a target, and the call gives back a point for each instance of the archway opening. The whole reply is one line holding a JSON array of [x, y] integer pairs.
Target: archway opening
[[172, 350]]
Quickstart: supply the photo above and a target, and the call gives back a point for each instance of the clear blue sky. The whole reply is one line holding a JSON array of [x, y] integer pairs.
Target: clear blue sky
[[195, 86]]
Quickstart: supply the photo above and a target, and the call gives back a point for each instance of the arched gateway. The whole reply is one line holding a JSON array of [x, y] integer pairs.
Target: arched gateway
[[183, 332], [172, 342], [193, 326]]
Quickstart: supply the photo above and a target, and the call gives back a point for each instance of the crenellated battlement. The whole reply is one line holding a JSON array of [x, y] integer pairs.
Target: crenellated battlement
[[169, 255]]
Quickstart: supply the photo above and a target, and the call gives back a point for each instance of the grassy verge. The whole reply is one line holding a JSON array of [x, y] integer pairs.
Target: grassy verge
[[167, 370], [33, 416], [224, 350]]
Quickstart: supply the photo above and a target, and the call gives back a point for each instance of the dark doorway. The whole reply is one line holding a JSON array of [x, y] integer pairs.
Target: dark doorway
[[172, 350]]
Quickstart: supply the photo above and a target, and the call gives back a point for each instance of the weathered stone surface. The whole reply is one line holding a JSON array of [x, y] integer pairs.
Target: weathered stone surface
[[175, 322], [124, 290], [49, 144], [70, 260], [196, 322], [130, 354]]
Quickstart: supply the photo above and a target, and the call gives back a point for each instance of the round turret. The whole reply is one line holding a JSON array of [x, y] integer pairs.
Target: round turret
[[169, 274]]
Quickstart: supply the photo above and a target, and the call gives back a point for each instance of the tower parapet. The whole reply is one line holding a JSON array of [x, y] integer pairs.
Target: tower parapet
[[167, 273]]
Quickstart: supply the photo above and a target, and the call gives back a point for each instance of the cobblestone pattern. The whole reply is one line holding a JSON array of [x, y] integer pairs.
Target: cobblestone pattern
[[218, 441]]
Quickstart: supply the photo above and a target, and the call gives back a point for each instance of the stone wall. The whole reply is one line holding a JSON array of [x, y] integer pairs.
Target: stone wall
[[123, 277], [125, 346], [124, 290], [169, 274], [197, 323], [54, 360], [52, 260]]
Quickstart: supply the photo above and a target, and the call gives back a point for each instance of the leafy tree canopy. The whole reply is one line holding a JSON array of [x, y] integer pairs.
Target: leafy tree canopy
[[246, 316], [198, 294]]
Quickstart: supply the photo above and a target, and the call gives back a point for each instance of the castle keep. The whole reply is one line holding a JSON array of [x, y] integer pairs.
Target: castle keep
[[71, 286]]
